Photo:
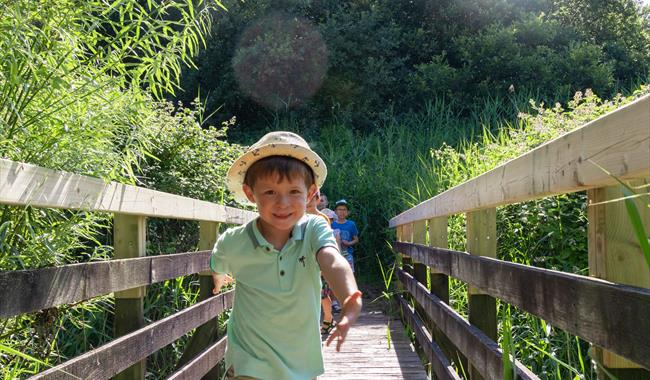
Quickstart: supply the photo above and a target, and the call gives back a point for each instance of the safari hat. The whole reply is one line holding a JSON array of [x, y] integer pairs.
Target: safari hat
[[278, 143], [342, 202]]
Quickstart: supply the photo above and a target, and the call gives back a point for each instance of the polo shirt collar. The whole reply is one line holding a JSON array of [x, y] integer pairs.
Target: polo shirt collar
[[298, 232]]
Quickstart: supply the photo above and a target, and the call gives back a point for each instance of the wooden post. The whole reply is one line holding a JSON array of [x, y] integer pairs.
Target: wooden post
[[482, 241], [615, 255], [129, 239], [419, 236], [207, 333], [438, 237], [407, 261], [419, 269], [399, 236]]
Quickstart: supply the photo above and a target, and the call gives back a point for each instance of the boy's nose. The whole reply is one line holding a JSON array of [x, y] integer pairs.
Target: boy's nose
[[283, 200]]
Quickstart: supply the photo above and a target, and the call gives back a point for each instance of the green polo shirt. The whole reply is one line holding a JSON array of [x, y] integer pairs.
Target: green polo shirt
[[273, 330]]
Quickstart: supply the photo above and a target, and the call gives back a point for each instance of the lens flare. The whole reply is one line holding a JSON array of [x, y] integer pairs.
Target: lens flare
[[280, 61]]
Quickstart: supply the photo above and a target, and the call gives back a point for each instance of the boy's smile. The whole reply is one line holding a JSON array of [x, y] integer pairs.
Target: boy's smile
[[280, 205]]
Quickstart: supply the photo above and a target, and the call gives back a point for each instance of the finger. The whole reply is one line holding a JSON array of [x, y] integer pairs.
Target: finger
[[339, 343], [331, 338]]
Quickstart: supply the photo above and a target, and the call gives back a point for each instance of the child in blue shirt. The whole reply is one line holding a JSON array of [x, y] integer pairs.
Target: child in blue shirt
[[276, 261], [347, 229]]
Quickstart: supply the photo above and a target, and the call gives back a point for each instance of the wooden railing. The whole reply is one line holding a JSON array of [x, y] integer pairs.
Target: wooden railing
[[31, 290], [610, 308]]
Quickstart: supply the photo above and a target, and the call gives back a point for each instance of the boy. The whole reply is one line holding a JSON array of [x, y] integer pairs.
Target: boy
[[348, 230], [276, 259]]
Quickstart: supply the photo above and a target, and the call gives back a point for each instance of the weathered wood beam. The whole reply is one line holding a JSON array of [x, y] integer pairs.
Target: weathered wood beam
[[129, 241], [481, 351], [610, 315], [615, 255], [119, 354], [203, 363], [39, 289], [618, 141], [439, 362], [24, 184]]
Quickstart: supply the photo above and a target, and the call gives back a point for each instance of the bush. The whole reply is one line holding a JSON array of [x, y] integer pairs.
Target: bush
[[392, 57]]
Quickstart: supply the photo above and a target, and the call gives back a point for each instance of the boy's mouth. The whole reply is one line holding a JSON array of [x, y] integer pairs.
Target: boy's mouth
[[282, 216]]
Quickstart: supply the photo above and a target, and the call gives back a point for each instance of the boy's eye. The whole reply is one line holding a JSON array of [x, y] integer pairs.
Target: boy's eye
[[269, 192]]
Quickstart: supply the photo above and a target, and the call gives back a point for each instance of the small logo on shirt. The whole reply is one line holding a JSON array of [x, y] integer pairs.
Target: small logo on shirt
[[302, 261]]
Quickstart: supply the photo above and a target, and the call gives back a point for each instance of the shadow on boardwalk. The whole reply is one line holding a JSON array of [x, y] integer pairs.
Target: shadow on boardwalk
[[366, 354]]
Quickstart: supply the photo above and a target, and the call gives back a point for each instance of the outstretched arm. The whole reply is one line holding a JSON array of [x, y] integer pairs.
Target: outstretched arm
[[339, 276]]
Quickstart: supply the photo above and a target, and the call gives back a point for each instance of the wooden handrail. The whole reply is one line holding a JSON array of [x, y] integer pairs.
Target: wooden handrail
[[618, 141], [39, 289], [439, 362], [24, 184], [610, 315], [202, 363], [117, 355], [480, 350]]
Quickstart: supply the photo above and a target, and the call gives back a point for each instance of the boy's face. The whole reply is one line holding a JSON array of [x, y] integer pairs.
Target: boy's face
[[280, 204], [322, 203], [341, 212]]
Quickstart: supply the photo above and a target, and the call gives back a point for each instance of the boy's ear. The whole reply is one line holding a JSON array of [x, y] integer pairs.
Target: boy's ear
[[249, 192], [311, 192]]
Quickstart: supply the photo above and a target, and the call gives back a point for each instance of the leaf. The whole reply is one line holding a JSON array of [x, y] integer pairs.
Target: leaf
[[637, 224]]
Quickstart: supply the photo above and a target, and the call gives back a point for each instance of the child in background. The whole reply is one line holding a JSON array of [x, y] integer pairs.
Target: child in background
[[276, 260], [322, 202], [348, 230], [326, 293]]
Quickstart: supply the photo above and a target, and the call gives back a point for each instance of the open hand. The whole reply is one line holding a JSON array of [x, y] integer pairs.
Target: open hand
[[340, 332], [350, 314]]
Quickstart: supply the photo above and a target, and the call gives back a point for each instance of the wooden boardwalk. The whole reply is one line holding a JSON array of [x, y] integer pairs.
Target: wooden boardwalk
[[366, 355]]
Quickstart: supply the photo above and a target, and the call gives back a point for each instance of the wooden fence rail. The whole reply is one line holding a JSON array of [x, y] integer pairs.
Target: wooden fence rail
[[481, 351], [126, 276], [39, 289], [608, 309], [114, 357], [441, 365], [612, 316]]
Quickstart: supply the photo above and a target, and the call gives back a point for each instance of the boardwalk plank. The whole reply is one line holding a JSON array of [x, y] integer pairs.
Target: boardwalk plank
[[366, 355]]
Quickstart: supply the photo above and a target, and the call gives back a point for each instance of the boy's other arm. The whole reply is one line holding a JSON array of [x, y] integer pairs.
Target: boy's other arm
[[352, 242], [220, 280], [339, 276]]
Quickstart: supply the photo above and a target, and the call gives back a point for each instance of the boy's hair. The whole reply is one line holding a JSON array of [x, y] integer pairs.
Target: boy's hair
[[284, 166]]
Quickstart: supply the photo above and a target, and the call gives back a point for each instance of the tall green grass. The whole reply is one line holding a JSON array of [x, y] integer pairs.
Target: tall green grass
[[80, 84]]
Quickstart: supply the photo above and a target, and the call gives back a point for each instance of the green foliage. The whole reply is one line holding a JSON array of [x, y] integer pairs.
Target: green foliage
[[79, 87], [186, 159], [368, 169], [71, 77], [387, 58]]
